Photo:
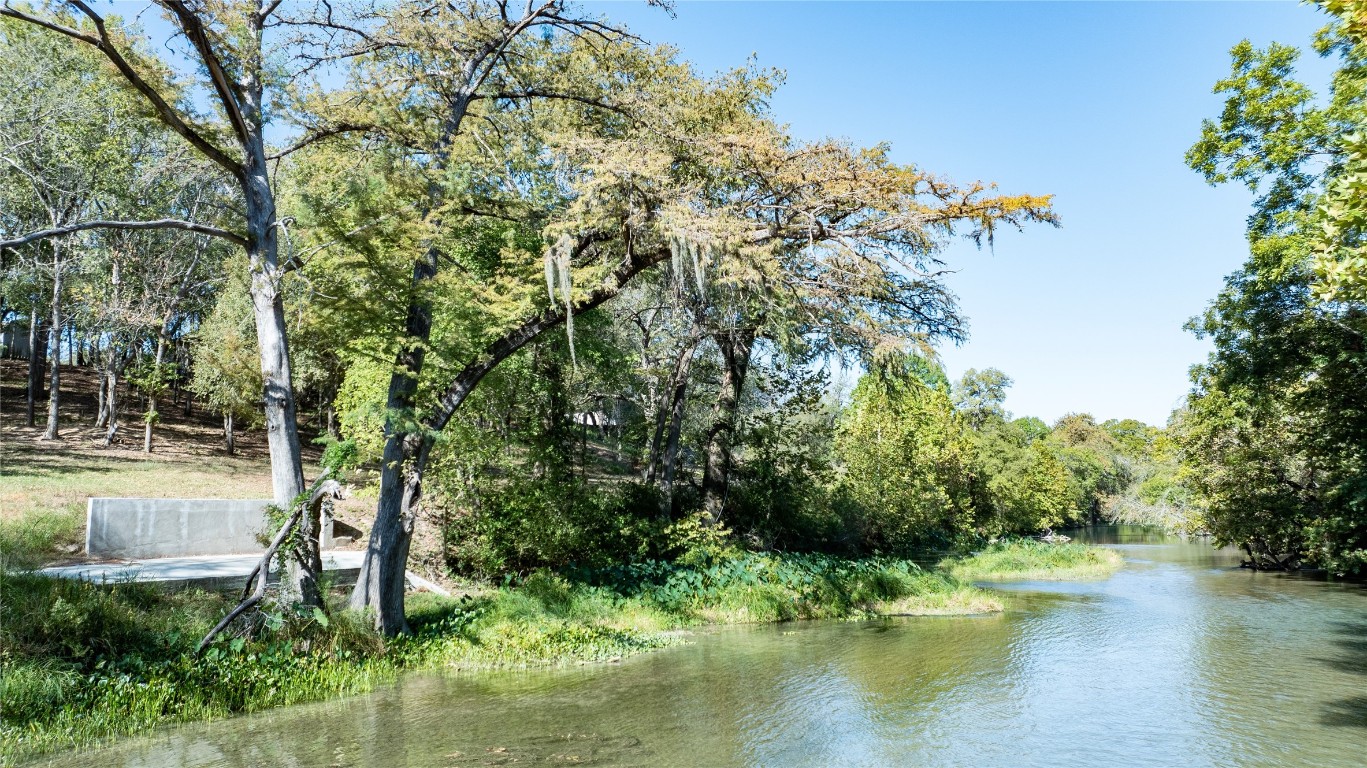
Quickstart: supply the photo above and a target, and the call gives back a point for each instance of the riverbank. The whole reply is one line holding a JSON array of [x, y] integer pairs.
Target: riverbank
[[80, 663]]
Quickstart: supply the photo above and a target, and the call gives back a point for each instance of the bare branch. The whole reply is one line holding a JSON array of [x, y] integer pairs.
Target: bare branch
[[189, 226], [321, 134]]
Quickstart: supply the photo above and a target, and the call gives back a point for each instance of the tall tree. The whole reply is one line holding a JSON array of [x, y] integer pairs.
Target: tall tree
[[1273, 431], [245, 79], [688, 179]]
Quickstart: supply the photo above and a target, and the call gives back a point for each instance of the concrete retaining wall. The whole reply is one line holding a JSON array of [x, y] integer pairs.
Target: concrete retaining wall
[[141, 528]]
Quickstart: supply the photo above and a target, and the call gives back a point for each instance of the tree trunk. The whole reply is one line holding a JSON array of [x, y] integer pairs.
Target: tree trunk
[[656, 444], [736, 346], [54, 395], [112, 398], [100, 414], [380, 585], [282, 427], [677, 403], [381, 582], [150, 418], [35, 367], [228, 433]]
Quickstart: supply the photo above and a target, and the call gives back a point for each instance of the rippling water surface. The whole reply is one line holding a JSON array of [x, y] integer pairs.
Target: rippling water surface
[[1181, 659]]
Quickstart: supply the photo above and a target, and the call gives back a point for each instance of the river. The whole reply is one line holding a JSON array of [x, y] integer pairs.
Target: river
[[1180, 659]]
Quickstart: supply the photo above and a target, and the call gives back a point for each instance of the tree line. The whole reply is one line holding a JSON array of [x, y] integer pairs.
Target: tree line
[[562, 295], [1272, 437]]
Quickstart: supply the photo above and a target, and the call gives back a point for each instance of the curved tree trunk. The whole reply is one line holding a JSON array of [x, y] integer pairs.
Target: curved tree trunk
[[380, 585]]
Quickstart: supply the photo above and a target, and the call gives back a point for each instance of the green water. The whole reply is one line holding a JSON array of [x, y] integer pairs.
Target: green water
[[1181, 659]]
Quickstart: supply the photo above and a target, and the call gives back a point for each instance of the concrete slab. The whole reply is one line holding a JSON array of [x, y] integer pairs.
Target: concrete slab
[[209, 571], [160, 528]]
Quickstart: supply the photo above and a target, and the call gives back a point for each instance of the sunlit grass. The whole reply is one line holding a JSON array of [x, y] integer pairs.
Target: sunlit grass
[[1028, 560]]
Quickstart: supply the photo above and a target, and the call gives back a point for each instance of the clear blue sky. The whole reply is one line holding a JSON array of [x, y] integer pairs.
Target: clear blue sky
[[1093, 102]]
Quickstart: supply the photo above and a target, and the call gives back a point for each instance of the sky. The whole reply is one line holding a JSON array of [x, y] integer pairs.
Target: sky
[[1095, 103]]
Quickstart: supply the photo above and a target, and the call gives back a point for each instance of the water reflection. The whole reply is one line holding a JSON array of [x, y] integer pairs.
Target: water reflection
[[1179, 659]]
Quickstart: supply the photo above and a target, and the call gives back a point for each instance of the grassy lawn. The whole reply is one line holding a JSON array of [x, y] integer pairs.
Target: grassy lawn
[[44, 487]]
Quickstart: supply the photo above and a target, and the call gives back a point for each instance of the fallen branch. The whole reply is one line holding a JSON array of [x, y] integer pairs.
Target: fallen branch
[[322, 488]]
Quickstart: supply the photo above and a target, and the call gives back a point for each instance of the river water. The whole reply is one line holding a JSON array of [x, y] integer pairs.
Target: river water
[[1180, 659]]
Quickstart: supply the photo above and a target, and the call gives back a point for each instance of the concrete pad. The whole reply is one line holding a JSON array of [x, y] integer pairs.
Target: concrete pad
[[211, 571], [159, 528]]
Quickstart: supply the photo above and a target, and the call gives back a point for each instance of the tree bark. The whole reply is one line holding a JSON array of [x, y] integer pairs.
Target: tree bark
[[678, 400], [228, 438], [100, 413], [282, 428], [736, 347], [35, 366], [54, 395], [112, 400], [151, 416]]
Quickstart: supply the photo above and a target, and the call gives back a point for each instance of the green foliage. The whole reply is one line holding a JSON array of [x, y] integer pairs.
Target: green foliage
[[1021, 486], [780, 587], [906, 459], [781, 493], [528, 523], [339, 456], [1029, 560], [360, 404], [1094, 461], [979, 396], [1271, 440], [152, 379], [227, 370]]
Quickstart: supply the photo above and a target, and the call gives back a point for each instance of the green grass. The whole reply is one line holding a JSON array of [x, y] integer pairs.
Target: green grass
[[39, 537], [80, 663], [757, 587], [44, 488], [1029, 560]]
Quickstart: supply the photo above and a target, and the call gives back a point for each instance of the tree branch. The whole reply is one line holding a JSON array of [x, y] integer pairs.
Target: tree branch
[[533, 93], [516, 338], [102, 41], [228, 92], [321, 134], [188, 226]]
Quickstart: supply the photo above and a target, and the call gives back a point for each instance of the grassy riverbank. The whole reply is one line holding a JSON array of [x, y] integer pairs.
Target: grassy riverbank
[[1028, 560], [80, 663]]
